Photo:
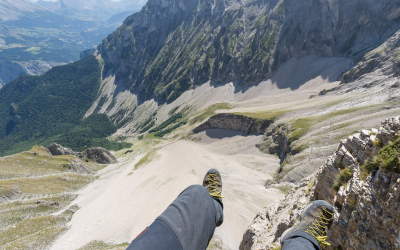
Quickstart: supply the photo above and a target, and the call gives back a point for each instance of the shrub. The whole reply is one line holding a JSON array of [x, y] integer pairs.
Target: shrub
[[352, 204], [388, 159], [344, 176], [378, 143]]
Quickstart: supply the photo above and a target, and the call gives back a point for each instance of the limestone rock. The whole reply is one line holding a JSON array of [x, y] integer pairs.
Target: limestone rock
[[366, 211], [276, 140], [100, 155], [324, 28], [86, 53], [11, 195], [57, 149], [78, 167], [235, 122]]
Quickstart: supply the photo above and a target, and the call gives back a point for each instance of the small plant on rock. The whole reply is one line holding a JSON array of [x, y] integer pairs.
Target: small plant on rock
[[344, 176], [352, 204], [378, 143], [388, 158]]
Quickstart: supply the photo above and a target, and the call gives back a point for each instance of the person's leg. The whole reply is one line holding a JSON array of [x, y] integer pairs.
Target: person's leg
[[300, 240], [311, 232], [190, 220], [193, 217]]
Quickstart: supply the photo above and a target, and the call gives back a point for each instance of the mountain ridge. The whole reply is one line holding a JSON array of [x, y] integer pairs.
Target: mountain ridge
[[227, 41], [97, 10]]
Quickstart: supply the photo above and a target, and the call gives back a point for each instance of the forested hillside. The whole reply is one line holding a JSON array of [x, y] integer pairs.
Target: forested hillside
[[36, 108]]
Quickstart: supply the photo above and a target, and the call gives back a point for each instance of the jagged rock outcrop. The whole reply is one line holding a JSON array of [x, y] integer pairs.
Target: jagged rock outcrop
[[13, 194], [235, 122], [276, 141], [57, 149], [78, 167], [366, 210], [100, 155], [383, 60], [86, 53]]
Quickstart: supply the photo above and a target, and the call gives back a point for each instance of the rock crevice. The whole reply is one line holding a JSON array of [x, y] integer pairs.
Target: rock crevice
[[276, 141]]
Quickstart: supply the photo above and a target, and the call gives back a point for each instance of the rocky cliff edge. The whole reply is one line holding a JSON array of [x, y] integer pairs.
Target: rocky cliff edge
[[366, 203]]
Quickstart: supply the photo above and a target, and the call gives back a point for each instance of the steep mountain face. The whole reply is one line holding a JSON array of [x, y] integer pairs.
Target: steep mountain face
[[171, 46]]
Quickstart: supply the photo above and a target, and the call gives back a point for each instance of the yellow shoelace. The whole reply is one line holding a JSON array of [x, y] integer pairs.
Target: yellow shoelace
[[318, 229], [213, 185]]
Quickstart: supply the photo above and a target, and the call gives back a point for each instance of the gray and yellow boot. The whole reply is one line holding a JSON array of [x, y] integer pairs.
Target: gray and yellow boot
[[213, 182], [315, 219]]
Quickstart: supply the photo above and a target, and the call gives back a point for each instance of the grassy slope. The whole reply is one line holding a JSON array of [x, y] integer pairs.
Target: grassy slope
[[46, 187]]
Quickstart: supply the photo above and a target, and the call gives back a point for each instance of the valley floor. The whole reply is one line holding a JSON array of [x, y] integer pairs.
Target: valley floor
[[129, 195]]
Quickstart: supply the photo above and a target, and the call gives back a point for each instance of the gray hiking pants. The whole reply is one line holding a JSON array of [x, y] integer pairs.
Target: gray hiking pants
[[300, 240], [187, 224]]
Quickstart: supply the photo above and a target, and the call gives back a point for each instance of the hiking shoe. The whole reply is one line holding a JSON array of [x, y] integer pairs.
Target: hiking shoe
[[212, 181], [316, 220]]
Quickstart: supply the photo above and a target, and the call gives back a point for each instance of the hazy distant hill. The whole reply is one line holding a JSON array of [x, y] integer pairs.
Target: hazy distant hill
[[36, 34], [16, 9], [92, 9]]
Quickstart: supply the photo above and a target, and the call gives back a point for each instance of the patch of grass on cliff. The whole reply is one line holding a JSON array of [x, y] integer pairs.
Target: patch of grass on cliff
[[101, 245], [149, 157], [344, 176], [38, 232], [47, 185], [44, 187], [284, 188], [17, 211], [210, 111], [28, 164], [388, 158], [266, 115], [301, 126]]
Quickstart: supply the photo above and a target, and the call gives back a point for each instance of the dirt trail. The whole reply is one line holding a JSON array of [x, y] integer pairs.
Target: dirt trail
[[118, 206]]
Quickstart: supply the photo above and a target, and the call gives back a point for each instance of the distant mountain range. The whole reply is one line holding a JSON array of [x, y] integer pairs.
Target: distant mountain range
[[50, 33], [91, 9]]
